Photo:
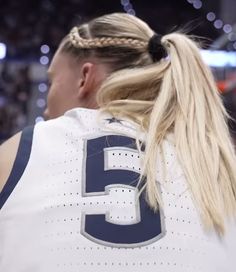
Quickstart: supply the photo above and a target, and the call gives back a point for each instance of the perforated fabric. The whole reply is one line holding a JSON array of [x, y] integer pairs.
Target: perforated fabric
[[66, 214]]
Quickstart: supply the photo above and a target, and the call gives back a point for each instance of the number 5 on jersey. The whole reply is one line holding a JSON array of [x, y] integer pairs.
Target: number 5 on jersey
[[111, 173]]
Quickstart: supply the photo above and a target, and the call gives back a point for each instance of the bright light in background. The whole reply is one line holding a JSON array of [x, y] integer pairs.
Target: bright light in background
[[41, 103], [227, 28], [218, 23], [131, 12], [211, 16], [128, 7], [44, 49], [39, 119], [124, 2], [232, 37], [219, 58], [42, 87], [44, 60], [197, 4], [3, 50]]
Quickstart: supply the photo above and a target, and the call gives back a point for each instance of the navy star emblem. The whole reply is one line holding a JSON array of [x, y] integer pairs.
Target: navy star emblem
[[113, 120]]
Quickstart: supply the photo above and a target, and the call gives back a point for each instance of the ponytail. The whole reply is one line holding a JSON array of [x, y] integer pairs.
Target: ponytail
[[189, 102], [178, 95]]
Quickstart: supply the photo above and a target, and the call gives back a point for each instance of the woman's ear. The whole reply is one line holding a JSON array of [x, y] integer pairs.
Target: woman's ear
[[87, 80]]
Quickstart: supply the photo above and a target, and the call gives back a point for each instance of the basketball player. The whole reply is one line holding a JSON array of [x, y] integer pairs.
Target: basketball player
[[138, 173]]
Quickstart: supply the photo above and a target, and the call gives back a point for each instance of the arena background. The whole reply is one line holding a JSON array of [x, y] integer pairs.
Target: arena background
[[30, 31]]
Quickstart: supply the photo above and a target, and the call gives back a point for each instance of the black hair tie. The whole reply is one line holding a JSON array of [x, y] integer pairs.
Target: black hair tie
[[156, 49]]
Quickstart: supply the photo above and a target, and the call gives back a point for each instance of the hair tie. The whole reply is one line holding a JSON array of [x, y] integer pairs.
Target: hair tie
[[156, 49]]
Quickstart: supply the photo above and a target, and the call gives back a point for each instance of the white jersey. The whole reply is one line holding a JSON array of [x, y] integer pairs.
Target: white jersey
[[70, 204]]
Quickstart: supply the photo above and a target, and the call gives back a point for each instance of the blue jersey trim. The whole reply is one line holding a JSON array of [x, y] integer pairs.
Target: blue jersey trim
[[22, 158]]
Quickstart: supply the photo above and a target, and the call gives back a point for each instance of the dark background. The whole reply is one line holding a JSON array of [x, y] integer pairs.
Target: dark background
[[26, 25]]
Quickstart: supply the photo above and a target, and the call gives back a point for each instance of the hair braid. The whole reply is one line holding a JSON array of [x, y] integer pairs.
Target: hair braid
[[80, 42]]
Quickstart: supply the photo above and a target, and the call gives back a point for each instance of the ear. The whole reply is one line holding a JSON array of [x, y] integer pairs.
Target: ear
[[87, 79]]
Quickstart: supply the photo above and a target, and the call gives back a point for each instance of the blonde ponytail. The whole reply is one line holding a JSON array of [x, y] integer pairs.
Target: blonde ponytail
[[174, 95], [189, 100], [183, 99]]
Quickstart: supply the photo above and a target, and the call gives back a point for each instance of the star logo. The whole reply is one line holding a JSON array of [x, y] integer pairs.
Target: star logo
[[113, 120]]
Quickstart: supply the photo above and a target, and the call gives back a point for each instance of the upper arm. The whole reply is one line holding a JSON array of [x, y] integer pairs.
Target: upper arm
[[8, 151]]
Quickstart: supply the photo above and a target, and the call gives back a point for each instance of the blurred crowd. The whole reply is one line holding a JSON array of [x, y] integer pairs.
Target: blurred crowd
[[25, 25], [15, 93]]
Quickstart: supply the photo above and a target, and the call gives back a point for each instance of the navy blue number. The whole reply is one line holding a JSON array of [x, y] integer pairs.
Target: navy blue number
[[96, 227]]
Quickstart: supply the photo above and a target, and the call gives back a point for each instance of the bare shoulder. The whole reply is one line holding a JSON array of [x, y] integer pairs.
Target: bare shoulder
[[8, 151]]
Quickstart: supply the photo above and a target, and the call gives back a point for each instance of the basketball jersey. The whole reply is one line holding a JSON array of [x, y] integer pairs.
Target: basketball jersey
[[72, 204]]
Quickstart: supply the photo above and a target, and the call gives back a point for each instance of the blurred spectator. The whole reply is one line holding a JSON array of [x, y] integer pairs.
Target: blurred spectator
[[15, 91], [25, 25]]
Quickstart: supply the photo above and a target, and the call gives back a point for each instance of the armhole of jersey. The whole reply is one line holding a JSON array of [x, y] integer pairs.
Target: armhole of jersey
[[20, 163]]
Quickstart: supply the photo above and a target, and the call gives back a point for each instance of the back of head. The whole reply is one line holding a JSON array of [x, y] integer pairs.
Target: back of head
[[117, 39], [176, 95]]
